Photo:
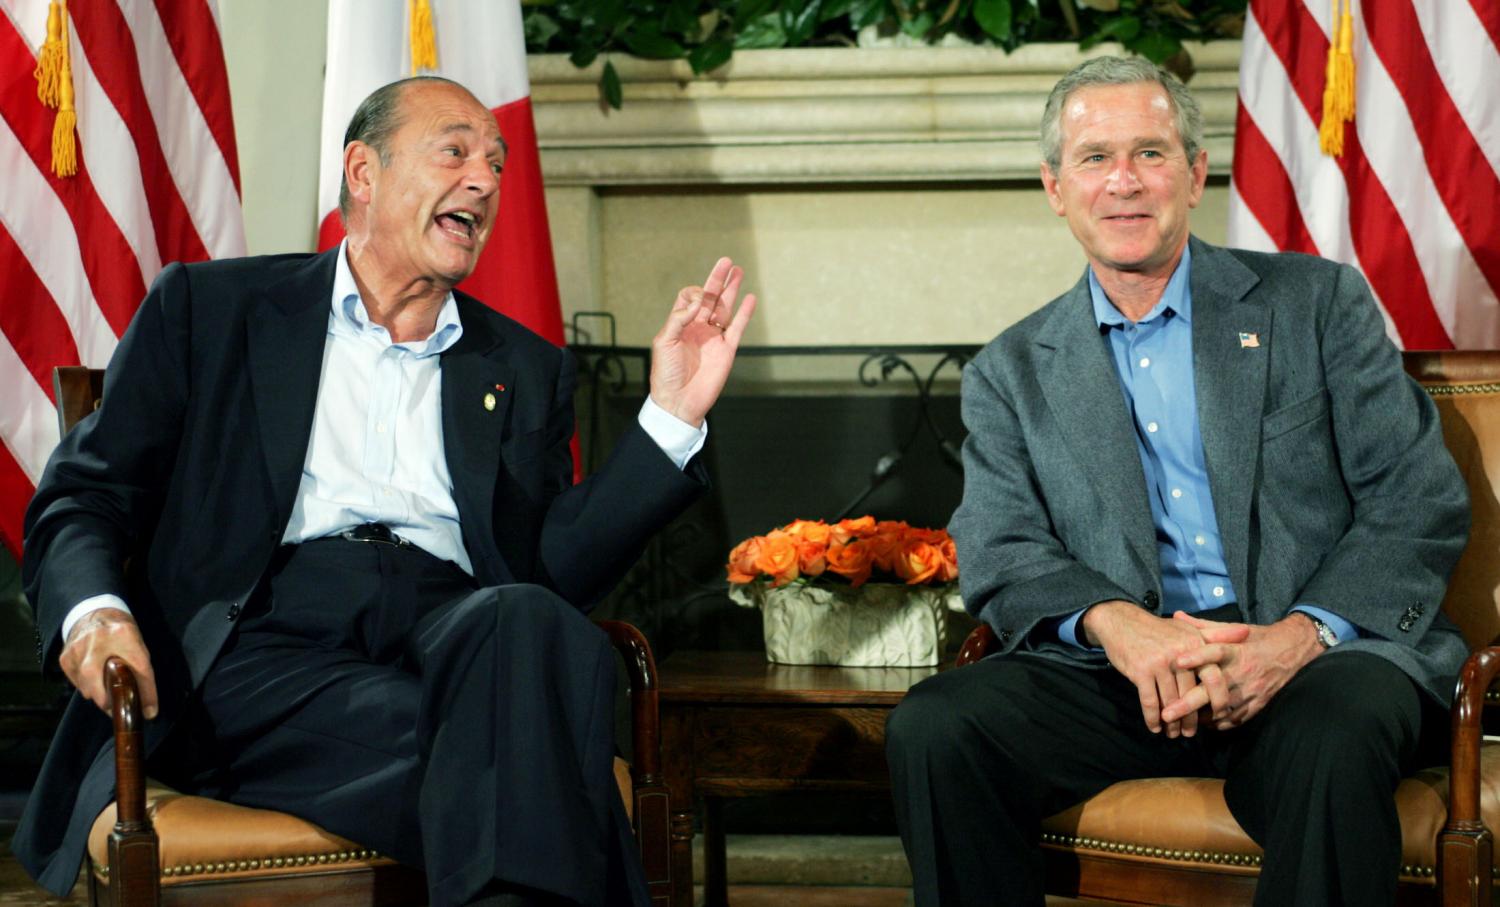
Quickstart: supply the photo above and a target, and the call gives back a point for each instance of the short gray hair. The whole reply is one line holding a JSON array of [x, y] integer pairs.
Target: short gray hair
[[375, 120], [1120, 71]]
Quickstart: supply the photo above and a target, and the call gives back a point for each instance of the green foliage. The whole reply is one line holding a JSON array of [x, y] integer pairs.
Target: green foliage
[[707, 32]]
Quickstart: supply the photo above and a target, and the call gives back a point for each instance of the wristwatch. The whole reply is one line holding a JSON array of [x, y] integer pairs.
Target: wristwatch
[[1326, 636]]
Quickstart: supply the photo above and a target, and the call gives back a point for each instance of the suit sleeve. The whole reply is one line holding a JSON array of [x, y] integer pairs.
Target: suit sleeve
[[1015, 572], [595, 531], [1410, 510], [100, 493]]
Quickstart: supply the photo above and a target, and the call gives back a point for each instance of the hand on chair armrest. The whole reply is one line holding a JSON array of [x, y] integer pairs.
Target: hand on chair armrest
[[101, 635]]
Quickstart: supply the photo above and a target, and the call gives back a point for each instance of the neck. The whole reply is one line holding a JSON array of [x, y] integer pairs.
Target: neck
[[406, 307], [1135, 293]]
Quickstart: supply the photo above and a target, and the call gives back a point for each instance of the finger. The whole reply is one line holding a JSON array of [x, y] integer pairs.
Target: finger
[[1188, 704], [1150, 705], [1189, 618], [1219, 632], [1187, 687], [719, 307], [1166, 684], [684, 309], [1212, 653], [146, 681], [718, 276], [736, 328]]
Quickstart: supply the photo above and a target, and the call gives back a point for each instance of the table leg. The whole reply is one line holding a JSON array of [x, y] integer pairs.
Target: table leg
[[677, 768], [715, 869]]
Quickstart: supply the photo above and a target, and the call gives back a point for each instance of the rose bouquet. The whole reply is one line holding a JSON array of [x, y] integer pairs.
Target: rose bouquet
[[852, 551]]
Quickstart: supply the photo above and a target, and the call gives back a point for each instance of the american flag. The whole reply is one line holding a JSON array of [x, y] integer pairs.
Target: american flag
[[1414, 199], [157, 181]]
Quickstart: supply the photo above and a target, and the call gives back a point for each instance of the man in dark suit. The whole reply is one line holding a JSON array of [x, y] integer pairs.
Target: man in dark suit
[[1211, 522], [360, 565]]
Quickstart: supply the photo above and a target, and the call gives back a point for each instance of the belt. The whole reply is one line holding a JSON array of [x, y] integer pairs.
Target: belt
[[376, 533]]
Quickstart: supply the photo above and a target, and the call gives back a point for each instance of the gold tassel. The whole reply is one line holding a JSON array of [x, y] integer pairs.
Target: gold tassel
[[1338, 89], [423, 38], [54, 88], [49, 60]]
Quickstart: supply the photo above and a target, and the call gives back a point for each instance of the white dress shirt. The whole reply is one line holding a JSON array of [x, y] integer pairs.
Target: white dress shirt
[[375, 454]]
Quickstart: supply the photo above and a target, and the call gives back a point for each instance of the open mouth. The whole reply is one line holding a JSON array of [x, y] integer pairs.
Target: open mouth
[[463, 224]]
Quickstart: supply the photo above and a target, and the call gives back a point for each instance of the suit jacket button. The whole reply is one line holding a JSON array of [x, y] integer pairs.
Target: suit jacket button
[[234, 612], [1151, 600], [1004, 637]]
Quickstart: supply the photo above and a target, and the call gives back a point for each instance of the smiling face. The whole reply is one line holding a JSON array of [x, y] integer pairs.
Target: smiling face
[[427, 211], [1124, 181]]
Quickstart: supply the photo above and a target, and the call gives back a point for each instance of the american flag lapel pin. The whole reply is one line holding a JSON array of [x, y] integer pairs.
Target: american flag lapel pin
[[1249, 341]]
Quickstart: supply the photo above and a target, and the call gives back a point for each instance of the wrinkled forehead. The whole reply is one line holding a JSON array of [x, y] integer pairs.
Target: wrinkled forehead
[[1143, 105], [440, 109]]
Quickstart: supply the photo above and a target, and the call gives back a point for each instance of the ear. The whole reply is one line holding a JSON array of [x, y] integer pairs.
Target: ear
[[1198, 176], [361, 166], [1054, 191]]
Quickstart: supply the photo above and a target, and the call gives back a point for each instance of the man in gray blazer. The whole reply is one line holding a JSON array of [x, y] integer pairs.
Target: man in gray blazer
[[1210, 521]]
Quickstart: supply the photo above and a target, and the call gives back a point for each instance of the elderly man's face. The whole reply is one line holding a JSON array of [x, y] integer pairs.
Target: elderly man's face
[[431, 209], [1124, 182]]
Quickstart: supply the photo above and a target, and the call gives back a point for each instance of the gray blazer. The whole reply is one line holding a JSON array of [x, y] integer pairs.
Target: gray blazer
[[1330, 480]]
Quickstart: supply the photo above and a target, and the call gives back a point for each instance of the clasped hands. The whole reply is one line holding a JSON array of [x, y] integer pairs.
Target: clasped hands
[[1189, 671]]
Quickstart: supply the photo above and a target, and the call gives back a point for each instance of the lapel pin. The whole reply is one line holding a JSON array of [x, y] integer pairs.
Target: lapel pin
[[500, 388], [1249, 341], [489, 402]]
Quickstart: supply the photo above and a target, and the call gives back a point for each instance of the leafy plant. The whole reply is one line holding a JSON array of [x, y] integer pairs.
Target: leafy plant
[[707, 32]]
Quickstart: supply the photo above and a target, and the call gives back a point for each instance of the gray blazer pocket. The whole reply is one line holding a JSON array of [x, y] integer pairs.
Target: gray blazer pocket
[[1294, 415]]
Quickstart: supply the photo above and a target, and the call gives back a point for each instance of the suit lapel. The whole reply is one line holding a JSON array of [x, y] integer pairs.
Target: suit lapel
[[1083, 391], [286, 340], [474, 376], [1231, 355]]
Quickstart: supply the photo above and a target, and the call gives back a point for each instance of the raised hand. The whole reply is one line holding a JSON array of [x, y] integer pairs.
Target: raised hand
[[692, 353], [91, 642]]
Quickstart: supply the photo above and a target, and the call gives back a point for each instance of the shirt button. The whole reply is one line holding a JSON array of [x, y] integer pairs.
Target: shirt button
[[1151, 427], [1177, 492], [1218, 591], [1145, 362], [380, 428], [1198, 539]]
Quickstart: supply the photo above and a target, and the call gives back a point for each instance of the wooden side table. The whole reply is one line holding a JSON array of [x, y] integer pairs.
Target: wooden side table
[[734, 725]]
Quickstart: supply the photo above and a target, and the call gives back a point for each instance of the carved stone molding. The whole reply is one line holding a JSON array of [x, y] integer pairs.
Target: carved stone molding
[[827, 115]]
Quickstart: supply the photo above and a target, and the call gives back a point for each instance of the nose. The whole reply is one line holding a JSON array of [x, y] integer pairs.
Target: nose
[[480, 179], [1122, 179]]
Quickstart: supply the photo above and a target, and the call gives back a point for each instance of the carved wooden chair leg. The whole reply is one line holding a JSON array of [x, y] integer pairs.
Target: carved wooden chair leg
[[652, 812]]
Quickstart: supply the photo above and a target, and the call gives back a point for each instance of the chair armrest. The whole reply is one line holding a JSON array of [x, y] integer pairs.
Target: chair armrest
[[645, 719], [134, 866], [979, 643], [1474, 679]]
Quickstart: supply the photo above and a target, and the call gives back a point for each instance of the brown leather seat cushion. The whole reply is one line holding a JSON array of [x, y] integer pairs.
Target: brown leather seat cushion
[[1185, 820], [203, 839]]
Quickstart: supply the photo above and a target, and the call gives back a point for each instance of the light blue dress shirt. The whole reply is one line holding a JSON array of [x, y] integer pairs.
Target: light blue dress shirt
[[375, 454], [1154, 361]]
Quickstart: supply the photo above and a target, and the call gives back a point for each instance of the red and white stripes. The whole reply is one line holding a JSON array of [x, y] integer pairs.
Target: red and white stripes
[[1414, 202], [157, 181]]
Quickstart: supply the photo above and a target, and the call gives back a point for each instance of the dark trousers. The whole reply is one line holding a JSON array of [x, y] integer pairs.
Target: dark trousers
[[376, 692], [980, 755]]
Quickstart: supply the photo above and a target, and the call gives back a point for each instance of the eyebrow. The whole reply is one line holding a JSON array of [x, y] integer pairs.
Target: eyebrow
[[468, 129]]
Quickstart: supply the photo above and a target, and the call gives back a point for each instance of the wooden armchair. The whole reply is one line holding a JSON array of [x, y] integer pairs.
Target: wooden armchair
[[154, 846], [1173, 840]]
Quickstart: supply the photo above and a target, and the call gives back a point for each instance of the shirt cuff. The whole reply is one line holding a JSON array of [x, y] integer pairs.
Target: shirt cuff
[[1342, 629], [1067, 631], [89, 606], [677, 439]]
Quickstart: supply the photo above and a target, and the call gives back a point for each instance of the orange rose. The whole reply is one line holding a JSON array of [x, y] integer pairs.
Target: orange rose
[[885, 545], [778, 558], [815, 531], [918, 562], [811, 557], [851, 561], [741, 564], [853, 529], [948, 572]]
